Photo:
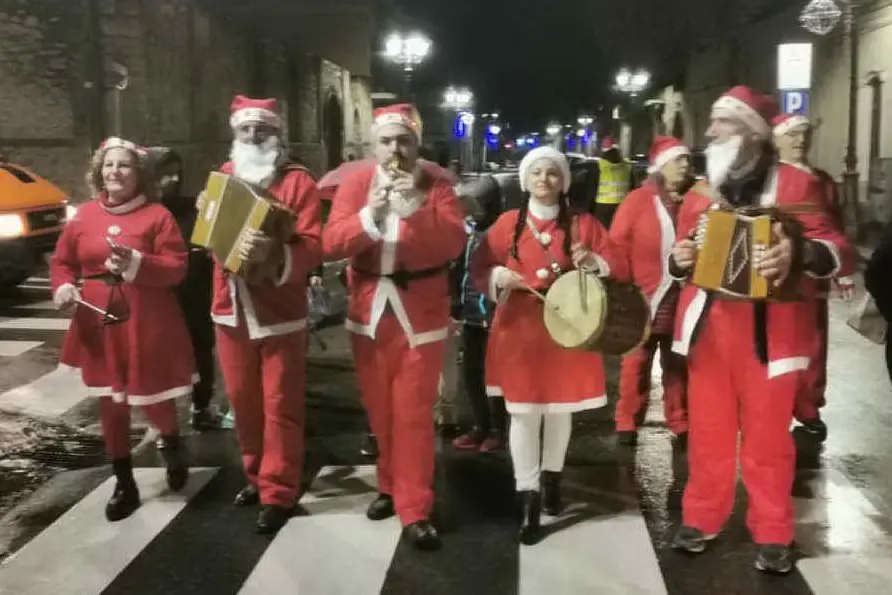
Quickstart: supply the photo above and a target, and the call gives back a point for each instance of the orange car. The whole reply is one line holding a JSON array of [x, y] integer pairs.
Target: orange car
[[32, 215]]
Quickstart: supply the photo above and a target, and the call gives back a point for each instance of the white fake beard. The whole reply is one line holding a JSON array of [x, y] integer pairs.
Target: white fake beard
[[720, 159], [256, 164]]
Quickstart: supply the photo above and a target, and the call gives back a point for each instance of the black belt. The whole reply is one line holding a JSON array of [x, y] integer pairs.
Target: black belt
[[402, 277]]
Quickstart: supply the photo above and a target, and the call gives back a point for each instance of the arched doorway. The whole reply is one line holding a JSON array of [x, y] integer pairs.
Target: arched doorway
[[333, 131]]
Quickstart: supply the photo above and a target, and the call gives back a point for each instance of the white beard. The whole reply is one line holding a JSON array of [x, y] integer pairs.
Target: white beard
[[721, 158], [256, 164]]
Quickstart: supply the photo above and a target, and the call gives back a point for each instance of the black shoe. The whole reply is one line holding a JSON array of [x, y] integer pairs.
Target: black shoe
[[207, 419], [530, 525], [125, 498], [775, 559], [691, 540], [248, 496], [272, 518], [369, 447], [175, 460], [551, 493], [816, 428], [382, 508], [627, 437], [423, 535]]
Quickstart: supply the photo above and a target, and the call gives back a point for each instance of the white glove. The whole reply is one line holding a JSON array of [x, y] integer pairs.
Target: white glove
[[508, 279], [65, 296]]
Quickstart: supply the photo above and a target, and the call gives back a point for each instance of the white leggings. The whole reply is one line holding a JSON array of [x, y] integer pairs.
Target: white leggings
[[527, 452]]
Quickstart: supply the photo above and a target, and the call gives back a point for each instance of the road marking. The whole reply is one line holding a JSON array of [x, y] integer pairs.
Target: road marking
[[16, 348], [82, 552], [336, 549], [42, 305], [593, 551], [36, 324], [51, 395], [838, 531]]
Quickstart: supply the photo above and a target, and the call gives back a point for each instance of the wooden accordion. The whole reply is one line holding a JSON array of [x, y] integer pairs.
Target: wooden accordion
[[728, 243], [230, 207]]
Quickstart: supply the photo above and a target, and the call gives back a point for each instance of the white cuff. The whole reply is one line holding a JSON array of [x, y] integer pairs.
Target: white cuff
[[601, 266], [493, 285], [286, 269], [64, 286], [130, 273], [837, 261], [368, 224]]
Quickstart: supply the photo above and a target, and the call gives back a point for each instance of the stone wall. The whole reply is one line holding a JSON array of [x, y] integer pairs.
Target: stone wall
[[160, 72]]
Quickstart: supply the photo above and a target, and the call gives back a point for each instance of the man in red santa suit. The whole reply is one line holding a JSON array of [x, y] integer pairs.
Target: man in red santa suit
[[399, 229], [262, 326], [792, 138], [644, 229], [747, 360]]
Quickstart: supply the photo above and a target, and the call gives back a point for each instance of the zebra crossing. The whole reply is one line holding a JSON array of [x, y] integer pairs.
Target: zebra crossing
[[604, 542], [28, 319]]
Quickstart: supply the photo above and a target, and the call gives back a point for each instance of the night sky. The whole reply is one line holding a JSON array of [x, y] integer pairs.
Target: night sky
[[538, 60]]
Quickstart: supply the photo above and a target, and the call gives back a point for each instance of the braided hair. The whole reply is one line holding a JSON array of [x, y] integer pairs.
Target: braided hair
[[564, 223]]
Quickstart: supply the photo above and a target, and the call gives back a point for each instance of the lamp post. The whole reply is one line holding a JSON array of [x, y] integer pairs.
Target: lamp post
[[821, 17], [407, 52], [459, 101], [632, 84], [554, 134], [586, 123]]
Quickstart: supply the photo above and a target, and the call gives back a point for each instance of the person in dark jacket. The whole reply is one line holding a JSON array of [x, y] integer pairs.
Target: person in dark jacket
[[194, 293], [878, 282], [474, 311]]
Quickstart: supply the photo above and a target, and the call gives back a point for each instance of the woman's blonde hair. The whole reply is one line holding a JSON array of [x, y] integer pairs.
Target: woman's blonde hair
[[145, 174]]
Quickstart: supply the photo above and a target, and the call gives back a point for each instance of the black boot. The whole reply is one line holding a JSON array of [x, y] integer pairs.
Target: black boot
[[125, 499], [530, 526], [423, 535], [248, 496], [774, 559], [381, 508], [551, 492], [174, 458], [272, 518]]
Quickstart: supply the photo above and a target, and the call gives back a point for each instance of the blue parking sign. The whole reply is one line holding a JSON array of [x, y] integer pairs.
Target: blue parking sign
[[794, 102]]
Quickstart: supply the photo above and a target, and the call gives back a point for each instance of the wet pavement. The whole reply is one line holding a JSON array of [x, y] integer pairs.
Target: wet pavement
[[612, 537]]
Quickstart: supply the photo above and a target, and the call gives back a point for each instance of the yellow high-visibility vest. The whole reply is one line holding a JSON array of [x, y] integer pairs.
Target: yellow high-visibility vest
[[613, 181]]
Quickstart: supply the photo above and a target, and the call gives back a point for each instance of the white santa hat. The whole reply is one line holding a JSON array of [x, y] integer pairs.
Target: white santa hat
[[785, 123], [245, 109], [551, 154], [402, 115], [665, 149], [755, 110]]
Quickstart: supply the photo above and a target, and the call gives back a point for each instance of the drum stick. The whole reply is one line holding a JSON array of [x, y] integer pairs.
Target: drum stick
[[538, 294], [96, 309]]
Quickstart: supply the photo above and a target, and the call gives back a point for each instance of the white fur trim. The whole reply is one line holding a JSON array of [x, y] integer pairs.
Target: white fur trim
[[837, 260], [542, 213], [552, 155], [394, 119], [666, 156], [583, 405], [727, 106], [286, 269], [786, 365], [667, 240], [368, 223], [255, 114], [133, 269], [494, 287], [691, 317], [791, 123]]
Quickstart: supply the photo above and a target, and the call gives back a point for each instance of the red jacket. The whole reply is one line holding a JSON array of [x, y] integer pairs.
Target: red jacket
[[644, 232], [426, 240], [276, 307], [792, 325]]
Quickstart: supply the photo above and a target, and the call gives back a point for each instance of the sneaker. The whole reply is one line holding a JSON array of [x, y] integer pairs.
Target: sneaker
[[774, 559], [691, 540]]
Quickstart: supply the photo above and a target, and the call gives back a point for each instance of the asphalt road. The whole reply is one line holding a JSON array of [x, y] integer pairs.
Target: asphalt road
[[611, 539]]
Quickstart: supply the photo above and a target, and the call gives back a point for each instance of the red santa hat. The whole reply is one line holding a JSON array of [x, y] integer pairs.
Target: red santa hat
[[785, 123], [551, 154], [754, 109], [245, 109], [663, 150], [608, 143], [403, 115], [114, 142]]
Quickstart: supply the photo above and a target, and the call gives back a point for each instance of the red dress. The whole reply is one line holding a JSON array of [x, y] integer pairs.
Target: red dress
[[148, 358], [523, 363]]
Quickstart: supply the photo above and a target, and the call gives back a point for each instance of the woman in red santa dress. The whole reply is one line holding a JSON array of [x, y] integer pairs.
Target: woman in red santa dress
[[129, 255], [644, 230], [543, 383]]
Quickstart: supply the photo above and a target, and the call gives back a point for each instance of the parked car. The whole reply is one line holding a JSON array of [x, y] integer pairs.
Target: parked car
[[33, 213]]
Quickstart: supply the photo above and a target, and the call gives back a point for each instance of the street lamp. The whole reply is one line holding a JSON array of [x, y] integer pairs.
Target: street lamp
[[553, 129], [457, 99], [632, 83], [407, 52]]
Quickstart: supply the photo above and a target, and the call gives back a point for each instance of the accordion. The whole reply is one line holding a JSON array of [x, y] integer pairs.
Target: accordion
[[230, 207], [728, 244]]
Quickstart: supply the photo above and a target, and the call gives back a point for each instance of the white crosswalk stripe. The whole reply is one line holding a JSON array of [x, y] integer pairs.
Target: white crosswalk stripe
[[19, 325]]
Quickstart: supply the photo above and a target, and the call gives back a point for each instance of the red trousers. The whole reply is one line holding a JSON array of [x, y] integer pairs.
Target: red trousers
[[265, 380], [115, 419], [634, 386], [399, 391], [813, 396], [730, 393]]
